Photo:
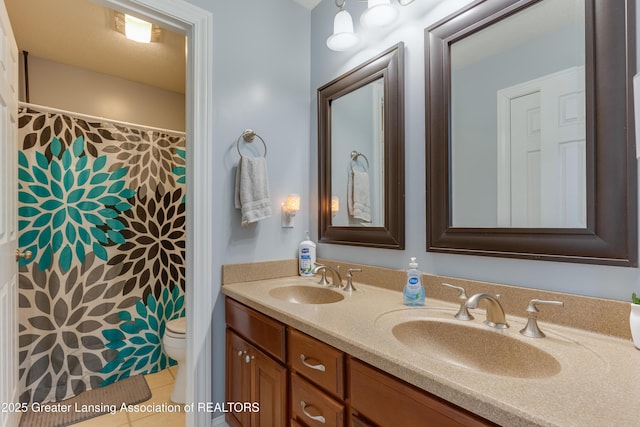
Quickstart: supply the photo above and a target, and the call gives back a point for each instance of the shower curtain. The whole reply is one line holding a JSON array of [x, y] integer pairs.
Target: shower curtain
[[102, 209]]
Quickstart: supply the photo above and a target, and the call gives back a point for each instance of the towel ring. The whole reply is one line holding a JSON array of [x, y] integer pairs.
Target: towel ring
[[248, 135], [354, 157]]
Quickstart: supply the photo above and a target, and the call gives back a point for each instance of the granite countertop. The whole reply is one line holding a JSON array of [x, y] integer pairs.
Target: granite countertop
[[595, 384]]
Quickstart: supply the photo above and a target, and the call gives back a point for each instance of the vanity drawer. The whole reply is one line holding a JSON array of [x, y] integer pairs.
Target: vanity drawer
[[388, 401], [317, 361], [266, 333], [311, 407]]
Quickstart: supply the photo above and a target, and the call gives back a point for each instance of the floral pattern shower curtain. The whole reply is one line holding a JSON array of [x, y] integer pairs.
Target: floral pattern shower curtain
[[102, 209]]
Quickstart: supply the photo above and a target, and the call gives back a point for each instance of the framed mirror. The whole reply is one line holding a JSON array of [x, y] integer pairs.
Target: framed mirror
[[529, 125], [361, 154]]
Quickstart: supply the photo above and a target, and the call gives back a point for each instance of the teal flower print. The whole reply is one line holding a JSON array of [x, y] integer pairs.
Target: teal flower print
[[69, 206], [138, 339]]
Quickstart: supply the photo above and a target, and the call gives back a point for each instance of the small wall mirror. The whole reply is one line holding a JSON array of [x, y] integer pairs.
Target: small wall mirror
[[529, 153], [361, 154]]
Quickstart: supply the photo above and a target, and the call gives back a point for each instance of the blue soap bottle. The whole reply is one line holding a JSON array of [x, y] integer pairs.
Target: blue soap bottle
[[413, 290]]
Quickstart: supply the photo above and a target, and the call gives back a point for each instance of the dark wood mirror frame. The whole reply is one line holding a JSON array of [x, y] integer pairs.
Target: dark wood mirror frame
[[610, 236], [390, 66]]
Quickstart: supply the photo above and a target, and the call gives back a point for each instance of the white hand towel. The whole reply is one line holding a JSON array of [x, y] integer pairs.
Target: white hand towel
[[358, 200], [252, 190]]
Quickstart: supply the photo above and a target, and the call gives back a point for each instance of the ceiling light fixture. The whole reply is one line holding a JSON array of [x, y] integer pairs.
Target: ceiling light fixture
[[343, 36], [136, 29]]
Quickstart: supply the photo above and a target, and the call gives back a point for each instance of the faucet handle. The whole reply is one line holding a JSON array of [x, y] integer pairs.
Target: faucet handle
[[349, 286], [531, 329], [463, 312], [463, 293], [532, 307], [323, 269]]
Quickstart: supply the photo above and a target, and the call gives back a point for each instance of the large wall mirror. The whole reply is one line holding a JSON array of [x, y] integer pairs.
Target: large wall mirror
[[361, 154], [530, 131]]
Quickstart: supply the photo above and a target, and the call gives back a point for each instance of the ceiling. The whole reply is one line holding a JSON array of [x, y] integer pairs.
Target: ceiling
[[309, 4], [81, 33]]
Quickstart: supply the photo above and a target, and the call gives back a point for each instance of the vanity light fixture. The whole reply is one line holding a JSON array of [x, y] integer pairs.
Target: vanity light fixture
[[343, 36], [379, 13], [136, 29], [289, 209], [335, 205]]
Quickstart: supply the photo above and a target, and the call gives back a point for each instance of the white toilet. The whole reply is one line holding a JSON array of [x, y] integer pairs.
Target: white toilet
[[175, 345]]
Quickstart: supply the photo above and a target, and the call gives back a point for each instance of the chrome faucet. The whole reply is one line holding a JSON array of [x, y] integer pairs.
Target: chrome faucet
[[495, 312], [337, 279]]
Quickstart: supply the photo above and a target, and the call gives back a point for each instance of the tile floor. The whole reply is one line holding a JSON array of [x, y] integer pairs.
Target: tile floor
[[161, 384]]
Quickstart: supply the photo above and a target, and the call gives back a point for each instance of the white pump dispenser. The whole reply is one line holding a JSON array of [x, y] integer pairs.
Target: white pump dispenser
[[306, 256]]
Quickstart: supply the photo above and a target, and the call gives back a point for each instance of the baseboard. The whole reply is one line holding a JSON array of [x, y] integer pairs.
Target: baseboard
[[219, 422]]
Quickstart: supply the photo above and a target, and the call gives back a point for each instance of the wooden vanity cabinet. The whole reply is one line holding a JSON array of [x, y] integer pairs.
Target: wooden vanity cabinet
[[255, 370], [302, 382], [383, 400]]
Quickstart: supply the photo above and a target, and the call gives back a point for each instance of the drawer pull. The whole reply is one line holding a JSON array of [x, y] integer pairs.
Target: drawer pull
[[318, 418], [320, 367]]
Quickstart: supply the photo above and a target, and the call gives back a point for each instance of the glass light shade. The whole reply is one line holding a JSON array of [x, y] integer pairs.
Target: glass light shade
[[137, 29], [343, 36], [335, 205], [292, 205], [379, 13]]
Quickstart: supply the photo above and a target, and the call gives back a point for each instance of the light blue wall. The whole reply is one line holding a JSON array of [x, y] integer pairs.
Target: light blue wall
[[602, 281], [269, 58], [261, 81]]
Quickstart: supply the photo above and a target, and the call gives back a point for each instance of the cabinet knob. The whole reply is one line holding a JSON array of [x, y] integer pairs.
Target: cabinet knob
[[241, 353], [248, 359]]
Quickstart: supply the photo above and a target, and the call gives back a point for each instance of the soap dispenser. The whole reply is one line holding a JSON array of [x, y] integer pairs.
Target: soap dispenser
[[413, 290], [306, 256]]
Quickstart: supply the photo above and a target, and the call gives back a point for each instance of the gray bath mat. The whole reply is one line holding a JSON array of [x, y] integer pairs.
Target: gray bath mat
[[100, 401]]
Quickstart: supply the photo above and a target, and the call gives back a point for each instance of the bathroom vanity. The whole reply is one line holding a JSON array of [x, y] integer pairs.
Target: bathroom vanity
[[364, 359], [325, 386]]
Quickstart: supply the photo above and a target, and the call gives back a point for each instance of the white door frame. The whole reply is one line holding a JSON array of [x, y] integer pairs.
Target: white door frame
[[197, 25]]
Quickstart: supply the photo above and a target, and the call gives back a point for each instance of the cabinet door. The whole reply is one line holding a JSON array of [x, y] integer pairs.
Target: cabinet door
[[238, 378], [269, 389]]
